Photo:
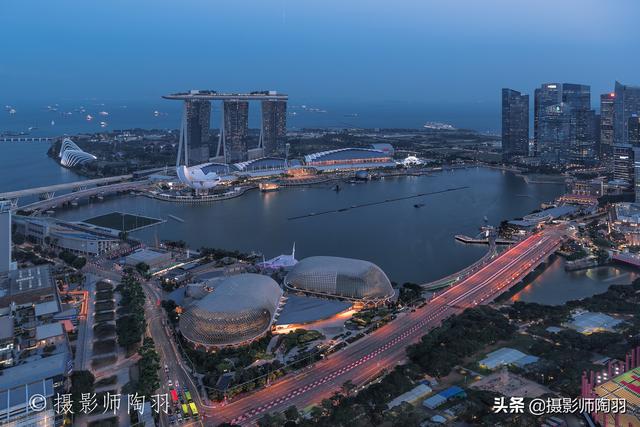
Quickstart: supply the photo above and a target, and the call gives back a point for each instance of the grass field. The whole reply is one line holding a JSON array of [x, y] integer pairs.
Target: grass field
[[122, 221]]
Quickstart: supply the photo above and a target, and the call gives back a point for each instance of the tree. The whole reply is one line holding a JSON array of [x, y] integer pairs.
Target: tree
[[148, 365], [81, 382], [79, 262], [348, 387], [291, 413]]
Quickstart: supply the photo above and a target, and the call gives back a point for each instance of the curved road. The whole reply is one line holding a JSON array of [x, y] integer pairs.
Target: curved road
[[385, 348]]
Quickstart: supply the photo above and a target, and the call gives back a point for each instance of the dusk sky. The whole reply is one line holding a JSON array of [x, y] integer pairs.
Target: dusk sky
[[335, 51]]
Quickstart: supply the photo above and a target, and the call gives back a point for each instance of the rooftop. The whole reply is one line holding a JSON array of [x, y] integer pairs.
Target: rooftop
[[6, 327], [44, 308], [26, 285], [305, 309], [506, 356], [26, 373], [212, 95], [49, 330], [587, 322]]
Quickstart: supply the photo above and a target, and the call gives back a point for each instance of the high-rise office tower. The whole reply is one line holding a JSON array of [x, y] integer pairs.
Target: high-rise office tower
[[633, 131], [623, 163], [606, 125], [515, 124], [198, 124], [274, 127], [5, 236], [582, 136], [235, 130], [626, 104], [636, 170], [578, 97], [546, 96], [564, 123]]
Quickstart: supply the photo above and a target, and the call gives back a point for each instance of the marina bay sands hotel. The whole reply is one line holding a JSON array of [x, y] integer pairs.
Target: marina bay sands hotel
[[234, 126]]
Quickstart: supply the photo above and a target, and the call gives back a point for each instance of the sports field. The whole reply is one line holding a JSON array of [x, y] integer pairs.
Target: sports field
[[122, 221]]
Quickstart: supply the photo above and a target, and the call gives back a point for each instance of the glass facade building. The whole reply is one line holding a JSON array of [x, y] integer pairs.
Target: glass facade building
[[626, 105], [198, 114], [515, 124], [274, 127], [564, 123], [606, 125], [235, 130]]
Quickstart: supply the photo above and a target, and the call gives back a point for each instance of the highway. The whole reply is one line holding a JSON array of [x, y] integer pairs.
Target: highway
[[383, 349]]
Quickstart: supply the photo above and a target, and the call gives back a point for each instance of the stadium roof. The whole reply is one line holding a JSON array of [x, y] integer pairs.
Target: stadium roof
[[240, 308], [345, 154], [340, 277]]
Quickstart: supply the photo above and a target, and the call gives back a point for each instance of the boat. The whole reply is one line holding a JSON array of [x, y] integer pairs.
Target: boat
[[418, 205], [103, 113], [103, 124], [89, 117], [268, 186]]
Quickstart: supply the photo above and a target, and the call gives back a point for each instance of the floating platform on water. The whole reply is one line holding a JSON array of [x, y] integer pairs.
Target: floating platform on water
[[477, 241]]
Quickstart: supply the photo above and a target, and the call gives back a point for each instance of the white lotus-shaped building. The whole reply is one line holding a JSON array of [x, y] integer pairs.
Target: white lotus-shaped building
[[71, 155], [200, 177]]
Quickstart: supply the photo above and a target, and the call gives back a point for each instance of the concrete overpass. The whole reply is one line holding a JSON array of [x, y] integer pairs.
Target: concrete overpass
[[48, 192], [25, 139], [54, 201]]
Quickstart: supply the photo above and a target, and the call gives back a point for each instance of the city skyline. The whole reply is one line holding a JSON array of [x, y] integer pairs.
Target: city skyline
[[413, 53]]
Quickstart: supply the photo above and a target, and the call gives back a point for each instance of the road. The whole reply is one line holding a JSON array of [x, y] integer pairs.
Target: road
[[385, 348], [179, 375]]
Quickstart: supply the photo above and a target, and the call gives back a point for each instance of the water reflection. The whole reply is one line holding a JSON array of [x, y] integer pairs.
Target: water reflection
[[556, 286]]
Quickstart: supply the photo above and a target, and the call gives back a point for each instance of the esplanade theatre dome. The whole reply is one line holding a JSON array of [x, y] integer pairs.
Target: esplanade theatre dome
[[240, 309], [346, 278]]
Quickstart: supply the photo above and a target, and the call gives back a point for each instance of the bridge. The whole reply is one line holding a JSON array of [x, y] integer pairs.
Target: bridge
[[25, 139], [48, 192], [54, 201]]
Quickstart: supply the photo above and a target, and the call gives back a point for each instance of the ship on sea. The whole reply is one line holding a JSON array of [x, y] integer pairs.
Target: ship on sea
[[268, 186], [438, 126]]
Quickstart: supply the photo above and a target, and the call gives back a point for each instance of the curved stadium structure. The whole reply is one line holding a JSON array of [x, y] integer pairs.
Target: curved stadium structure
[[239, 310], [348, 157], [343, 278], [71, 155]]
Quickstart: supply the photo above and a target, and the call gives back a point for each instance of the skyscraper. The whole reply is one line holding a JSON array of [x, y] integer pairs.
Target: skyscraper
[[545, 97], [198, 123], [515, 124], [626, 104], [606, 125], [274, 127], [636, 170], [235, 130], [564, 123], [582, 136], [5, 236], [623, 163], [634, 131]]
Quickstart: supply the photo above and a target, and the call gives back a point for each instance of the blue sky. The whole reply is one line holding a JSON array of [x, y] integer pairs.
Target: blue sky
[[331, 51]]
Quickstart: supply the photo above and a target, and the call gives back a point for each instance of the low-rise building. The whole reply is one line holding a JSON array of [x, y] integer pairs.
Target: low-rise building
[[587, 322], [154, 258], [64, 236], [506, 356]]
